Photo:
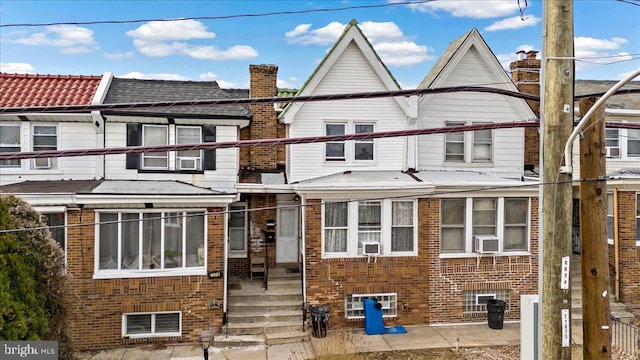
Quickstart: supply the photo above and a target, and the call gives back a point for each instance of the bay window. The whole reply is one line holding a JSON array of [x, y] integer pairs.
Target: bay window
[[347, 225], [135, 241], [504, 218]]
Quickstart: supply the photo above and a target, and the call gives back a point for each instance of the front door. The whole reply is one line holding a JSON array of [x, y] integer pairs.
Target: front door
[[287, 235]]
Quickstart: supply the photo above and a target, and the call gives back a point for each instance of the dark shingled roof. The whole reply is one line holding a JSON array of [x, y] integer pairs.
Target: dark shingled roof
[[135, 91], [622, 101], [51, 187]]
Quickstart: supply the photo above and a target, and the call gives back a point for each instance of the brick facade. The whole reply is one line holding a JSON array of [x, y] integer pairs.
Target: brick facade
[[525, 73], [628, 252], [429, 289], [100, 303]]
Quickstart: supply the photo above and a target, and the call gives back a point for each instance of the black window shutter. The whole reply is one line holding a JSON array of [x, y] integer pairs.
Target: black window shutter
[[209, 135], [134, 138]]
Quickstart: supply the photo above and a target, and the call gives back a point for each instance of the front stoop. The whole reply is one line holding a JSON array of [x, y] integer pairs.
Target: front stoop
[[618, 310], [257, 316]]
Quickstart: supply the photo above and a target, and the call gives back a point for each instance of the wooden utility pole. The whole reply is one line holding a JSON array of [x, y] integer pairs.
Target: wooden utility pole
[[557, 188], [596, 325]]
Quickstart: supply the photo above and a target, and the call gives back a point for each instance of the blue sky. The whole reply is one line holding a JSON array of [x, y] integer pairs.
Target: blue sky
[[408, 38]]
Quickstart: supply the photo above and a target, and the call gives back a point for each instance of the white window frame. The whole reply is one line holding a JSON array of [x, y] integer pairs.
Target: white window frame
[[631, 135], [610, 218], [353, 248], [44, 163], [154, 155], [17, 145], [469, 144], [500, 228], [118, 272], [354, 305], [197, 159], [153, 333], [612, 143], [241, 206], [350, 156]]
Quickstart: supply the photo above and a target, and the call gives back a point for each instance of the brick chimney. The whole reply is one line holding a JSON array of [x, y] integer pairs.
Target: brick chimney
[[525, 74], [264, 125]]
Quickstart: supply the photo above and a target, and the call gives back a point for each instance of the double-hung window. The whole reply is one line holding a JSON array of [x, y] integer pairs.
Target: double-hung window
[[146, 241], [633, 142], [188, 159], [612, 143], [45, 137], [468, 147], [352, 151], [9, 143], [463, 219], [610, 218], [350, 225], [153, 135]]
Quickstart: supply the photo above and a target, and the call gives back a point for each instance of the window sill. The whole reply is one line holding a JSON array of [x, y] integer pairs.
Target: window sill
[[237, 255], [475, 255], [347, 256], [140, 336], [120, 274], [167, 171], [468, 164]]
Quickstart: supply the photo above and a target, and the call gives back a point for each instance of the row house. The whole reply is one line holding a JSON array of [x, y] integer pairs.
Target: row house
[[622, 152], [431, 225]]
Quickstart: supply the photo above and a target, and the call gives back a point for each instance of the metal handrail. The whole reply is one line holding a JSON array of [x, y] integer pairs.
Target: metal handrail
[[625, 337]]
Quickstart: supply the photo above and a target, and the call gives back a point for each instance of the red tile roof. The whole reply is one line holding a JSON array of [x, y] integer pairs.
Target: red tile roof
[[18, 90]]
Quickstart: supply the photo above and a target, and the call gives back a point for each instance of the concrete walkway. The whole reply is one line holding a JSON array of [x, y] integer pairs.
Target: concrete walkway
[[417, 337]]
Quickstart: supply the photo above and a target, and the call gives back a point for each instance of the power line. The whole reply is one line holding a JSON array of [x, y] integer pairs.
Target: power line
[[220, 17], [260, 142]]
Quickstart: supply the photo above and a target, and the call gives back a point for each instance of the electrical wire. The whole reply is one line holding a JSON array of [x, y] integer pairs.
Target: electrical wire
[[220, 17]]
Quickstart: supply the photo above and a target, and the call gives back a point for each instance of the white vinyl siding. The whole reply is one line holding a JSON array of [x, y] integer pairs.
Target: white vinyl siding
[[350, 73], [467, 108], [223, 178]]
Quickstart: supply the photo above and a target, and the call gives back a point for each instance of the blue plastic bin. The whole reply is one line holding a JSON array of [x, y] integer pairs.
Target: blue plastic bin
[[373, 317]]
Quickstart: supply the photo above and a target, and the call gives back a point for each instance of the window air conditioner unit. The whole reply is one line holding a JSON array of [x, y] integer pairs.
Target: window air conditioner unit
[[613, 151], [42, 163], [370, 248], [188, 163], [485, 244]]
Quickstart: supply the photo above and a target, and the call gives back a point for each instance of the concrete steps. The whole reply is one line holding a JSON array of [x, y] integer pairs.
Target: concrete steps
[[264, 316], [618, 310]]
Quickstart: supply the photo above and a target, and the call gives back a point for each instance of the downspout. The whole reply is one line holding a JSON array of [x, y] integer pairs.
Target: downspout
[[304, 258], [616, 244], [225, 267]]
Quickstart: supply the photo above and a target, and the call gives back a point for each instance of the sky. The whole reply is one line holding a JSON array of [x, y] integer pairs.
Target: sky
[[218, 40]]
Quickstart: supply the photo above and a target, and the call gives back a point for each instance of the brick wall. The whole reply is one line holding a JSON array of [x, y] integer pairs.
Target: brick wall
[[430, 287], [99, 304], [629, 265], [525, 73]]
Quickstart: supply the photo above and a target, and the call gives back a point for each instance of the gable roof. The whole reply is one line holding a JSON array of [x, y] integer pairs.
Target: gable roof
[[620, 101], [351, 34], [23, 90], [454, 54], [123, 90]]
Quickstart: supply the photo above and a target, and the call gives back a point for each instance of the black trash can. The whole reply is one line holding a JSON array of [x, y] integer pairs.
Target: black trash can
[[319, 320], [495, 309]]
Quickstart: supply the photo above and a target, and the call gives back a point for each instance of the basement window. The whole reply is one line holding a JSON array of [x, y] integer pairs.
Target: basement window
[[138, 325], [354, 305], [475, 301]]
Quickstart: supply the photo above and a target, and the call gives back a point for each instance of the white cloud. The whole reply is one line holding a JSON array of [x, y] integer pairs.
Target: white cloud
[[158, 76], [299, 30], [227, 84], [289, 83], [515, 22], [69, 38], [160, 38], [598, 51], [238, 52], [17, 68], [402, 53], [506, 59], [157, 31], [118, 56], [475, 9], [208, 76], [393, 47]]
